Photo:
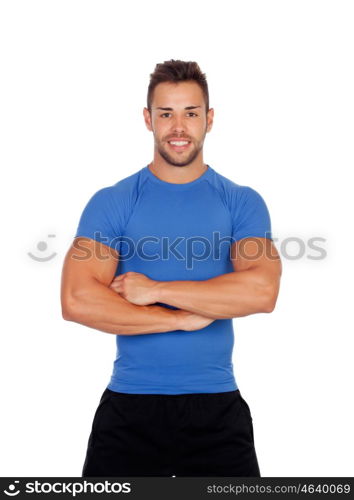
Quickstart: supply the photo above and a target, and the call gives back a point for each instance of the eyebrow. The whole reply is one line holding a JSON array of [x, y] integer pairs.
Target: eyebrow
[[171, 109]]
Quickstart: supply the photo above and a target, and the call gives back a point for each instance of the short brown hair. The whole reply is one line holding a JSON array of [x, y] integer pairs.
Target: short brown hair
[[177, 71]]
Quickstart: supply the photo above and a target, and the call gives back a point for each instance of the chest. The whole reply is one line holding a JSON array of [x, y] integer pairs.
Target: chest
[[178, 234]]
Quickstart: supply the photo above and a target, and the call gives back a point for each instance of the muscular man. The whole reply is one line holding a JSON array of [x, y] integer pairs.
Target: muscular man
[[164, 259]]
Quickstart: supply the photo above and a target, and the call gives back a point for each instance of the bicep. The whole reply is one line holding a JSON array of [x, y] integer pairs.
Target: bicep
[[258, 254], [86, 261]]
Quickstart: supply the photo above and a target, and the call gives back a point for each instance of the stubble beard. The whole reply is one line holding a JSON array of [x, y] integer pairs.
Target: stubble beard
[[183, 161]]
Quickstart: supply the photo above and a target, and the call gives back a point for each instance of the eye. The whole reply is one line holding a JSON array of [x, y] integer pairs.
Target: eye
[[190, 113]]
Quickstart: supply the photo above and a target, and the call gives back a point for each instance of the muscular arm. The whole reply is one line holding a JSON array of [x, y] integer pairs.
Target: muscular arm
[[86, 298], [252, 288]]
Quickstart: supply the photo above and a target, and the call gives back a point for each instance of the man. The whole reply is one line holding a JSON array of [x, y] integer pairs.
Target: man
[[164, 259]]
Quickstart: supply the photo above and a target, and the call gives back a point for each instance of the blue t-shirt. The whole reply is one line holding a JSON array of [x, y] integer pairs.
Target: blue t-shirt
[[171, 232]]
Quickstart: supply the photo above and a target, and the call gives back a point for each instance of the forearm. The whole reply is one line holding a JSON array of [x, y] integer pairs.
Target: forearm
[[227, 296], [101, 308]]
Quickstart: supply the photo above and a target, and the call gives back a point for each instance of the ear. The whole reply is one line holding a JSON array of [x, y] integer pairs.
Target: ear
[[210, 118], [147, 119]]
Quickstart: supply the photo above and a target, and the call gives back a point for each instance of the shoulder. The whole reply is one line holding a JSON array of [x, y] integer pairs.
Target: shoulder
[[125, 191], [234, 194]]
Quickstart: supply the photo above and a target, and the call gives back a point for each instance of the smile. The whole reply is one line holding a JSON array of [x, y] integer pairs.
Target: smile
[[179, 145]]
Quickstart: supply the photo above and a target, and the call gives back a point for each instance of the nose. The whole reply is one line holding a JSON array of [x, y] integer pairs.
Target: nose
[[178, 124]]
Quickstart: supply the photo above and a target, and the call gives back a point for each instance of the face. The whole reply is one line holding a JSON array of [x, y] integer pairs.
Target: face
[[178, 114]]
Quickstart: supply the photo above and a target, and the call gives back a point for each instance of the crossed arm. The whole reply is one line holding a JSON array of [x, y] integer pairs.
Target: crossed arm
[[126, 305], [251, 288]]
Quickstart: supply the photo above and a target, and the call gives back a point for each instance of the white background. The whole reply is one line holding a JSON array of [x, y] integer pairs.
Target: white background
[[73, 87]]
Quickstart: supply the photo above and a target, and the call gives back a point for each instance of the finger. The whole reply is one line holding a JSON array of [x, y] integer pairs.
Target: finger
[[116, 285]]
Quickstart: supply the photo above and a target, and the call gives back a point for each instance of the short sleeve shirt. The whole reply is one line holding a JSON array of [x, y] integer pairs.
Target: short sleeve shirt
[[169, 232]]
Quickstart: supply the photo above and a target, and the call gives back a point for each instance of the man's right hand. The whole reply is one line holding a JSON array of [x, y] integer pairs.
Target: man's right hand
[[191, 321]]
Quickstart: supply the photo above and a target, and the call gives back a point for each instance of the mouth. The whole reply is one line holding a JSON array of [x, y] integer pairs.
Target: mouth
[[181, 145]]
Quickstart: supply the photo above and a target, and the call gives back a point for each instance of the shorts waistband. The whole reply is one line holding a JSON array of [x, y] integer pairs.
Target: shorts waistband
[[220, 396]]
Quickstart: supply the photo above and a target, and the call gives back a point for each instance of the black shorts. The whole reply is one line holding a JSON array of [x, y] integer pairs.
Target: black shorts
[[199, 434]]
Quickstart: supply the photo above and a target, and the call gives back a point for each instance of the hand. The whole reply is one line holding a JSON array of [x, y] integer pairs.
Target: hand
[[192, 321], [136, 288]]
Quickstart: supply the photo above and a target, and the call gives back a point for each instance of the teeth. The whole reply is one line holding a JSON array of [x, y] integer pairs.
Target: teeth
[[179, 143]]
